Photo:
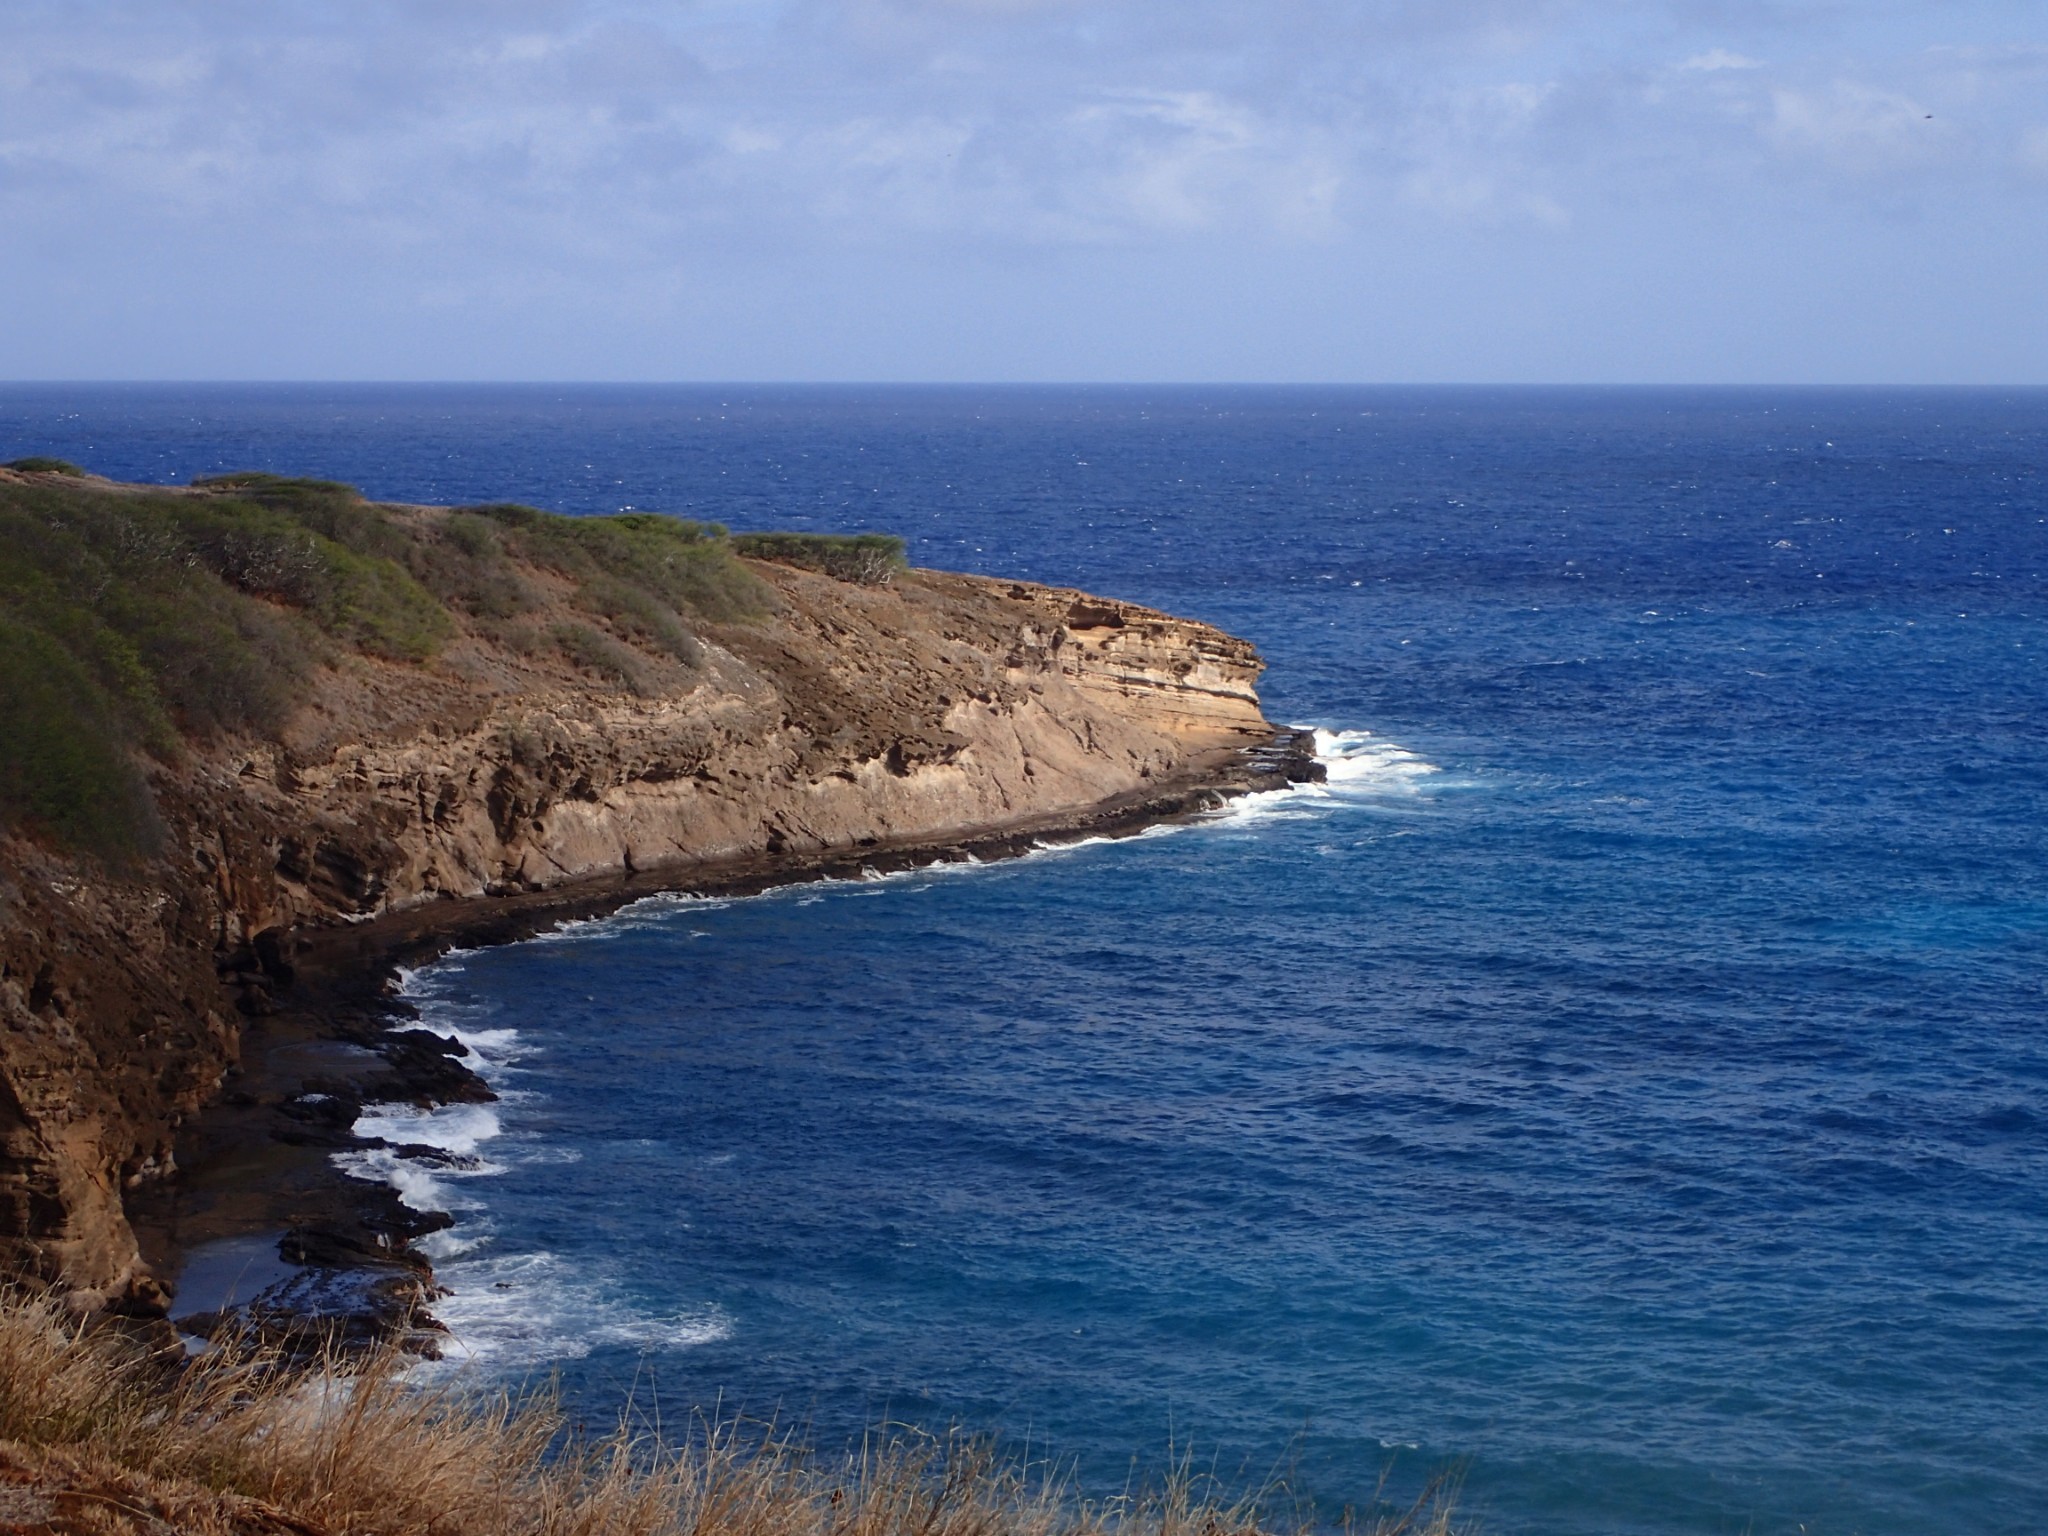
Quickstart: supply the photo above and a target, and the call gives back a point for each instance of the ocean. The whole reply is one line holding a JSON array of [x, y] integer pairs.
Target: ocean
[[1624, 1085]]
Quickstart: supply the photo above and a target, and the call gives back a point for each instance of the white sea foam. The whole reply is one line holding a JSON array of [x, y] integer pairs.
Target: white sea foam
[[1359, 757], [1043, 848], [457, 1128], [511, 1310], [423, 1184], [460, 1130], [582, 930], [645, 912], [493, 1049], [1359, 769]]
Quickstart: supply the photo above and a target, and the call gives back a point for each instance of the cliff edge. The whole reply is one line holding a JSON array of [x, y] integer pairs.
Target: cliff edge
[[255, 710]]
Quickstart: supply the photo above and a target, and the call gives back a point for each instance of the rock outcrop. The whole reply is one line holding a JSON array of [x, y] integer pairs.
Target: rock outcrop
[[935, 708]]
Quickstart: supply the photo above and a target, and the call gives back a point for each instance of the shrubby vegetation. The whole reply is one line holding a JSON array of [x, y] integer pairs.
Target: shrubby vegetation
[[638, 572], [133, 621], [36, 464], [64, 760], [871, 559], [235, 1443], [123, 626], [316, 546]]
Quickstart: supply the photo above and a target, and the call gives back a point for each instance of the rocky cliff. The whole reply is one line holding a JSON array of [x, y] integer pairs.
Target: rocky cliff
[[840, 716]]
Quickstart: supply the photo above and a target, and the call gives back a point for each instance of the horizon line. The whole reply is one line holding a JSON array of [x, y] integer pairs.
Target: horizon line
[[1000, 384]]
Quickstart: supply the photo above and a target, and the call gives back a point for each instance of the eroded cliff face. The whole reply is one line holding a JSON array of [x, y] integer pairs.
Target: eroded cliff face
[[939, 707], [116, 1026]]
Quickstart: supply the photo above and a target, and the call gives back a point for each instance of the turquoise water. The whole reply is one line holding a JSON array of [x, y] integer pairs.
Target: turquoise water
[[1626, 1082]]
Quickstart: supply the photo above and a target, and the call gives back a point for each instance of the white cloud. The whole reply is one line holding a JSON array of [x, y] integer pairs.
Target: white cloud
[[627, 147], [2034, 149], [1717, 59], [1858, 127], [993, 119]]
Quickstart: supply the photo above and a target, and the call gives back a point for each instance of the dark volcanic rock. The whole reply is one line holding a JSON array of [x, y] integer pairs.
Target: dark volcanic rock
[[331, 1110], [439, 1157], [1290, 756], [329, 1248]]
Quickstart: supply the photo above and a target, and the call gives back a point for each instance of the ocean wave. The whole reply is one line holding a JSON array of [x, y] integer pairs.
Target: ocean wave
[[492, 1049], [1045, 846], [1361, 758], [505, 1311], [1359, 768], [455, 1131], [423, 1183], [641, 913], [455, 1128]]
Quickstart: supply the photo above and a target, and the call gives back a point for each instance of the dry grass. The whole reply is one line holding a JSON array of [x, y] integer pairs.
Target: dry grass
[[96, 1436]]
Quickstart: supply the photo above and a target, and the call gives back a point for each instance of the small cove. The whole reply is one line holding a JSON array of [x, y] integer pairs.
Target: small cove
[[1644, 1111]]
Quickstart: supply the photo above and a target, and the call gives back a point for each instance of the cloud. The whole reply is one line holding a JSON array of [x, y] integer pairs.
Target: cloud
[[627, 151], [1718, 59], [1036, 120], [1859, 128], [2034, 149]]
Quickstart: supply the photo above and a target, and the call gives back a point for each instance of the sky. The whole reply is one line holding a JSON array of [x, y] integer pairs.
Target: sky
[[1686, 191]]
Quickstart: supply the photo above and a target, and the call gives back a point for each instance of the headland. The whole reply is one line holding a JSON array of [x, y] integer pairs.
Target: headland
[[270, 740]]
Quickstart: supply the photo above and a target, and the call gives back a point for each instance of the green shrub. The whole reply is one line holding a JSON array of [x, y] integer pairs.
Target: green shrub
[[647, 576], [463, 561], [253, 548], [636, 615], [598, 653], [66, 769], [378, 606], [218, 668], [312, 544], [117, 581], [261, 485], [37, 464], [134, 620], [334, 511], [687, 566], [870, 559]]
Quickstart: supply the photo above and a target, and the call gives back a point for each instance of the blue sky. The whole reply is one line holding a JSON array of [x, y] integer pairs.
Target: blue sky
[[1412, 190]]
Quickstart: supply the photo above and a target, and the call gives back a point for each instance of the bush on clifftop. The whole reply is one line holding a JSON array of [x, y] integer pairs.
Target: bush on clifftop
[[641, 573], [123, 632], [65, 760], [868, 559]]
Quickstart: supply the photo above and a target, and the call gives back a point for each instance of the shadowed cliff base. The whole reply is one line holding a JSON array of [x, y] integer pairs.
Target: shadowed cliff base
[[271, 734]]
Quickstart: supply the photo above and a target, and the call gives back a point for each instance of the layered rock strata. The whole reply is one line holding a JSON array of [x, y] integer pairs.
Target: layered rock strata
[[938, 708]]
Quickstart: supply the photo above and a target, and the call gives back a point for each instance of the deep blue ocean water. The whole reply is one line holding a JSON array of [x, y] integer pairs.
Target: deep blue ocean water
[[1627, 1084]]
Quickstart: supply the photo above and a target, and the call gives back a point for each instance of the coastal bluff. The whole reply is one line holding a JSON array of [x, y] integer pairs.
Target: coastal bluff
[[498, 707]]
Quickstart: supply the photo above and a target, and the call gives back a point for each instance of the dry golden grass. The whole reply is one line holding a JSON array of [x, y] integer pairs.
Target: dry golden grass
[[96, 1437]]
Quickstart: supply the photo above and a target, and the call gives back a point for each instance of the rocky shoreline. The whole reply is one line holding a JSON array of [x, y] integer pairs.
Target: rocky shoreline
[[334, 736], [331, 1035]]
